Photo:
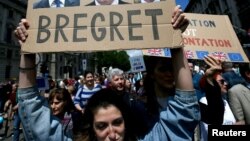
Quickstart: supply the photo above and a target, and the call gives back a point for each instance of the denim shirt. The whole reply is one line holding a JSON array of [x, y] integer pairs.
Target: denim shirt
[[38, 122], [178, 119], [177, 122]]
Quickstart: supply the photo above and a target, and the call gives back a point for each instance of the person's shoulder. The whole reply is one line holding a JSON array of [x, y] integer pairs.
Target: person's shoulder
[[98, 86], [80, 87], [123, 2], [237, 88]]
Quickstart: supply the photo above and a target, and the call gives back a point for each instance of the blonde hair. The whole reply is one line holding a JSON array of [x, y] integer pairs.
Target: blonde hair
[[71, 89]]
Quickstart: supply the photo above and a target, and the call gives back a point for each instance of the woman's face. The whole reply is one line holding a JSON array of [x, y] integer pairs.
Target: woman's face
[[222, 83], [57, 106], [14, 87], [109, 124], [141, 82], [97, 81], [89, 80], [128, 83], [163, 76]]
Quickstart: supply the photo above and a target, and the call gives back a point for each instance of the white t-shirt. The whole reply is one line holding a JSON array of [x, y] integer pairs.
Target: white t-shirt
[[228, 119], [143, 1], [53, 4]]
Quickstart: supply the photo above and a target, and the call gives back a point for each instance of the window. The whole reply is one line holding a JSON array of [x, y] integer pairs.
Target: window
[[1, 30], [1, 11], [17, 54], [11, 14], [61, 71], [2, 52], [7, 71], [61, 58], [9, 54], [47, 57], [212, 8], [8, 34], [217, 7]]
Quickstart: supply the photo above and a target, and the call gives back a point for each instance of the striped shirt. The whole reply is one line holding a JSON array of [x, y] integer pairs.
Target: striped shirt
[[84, 93]]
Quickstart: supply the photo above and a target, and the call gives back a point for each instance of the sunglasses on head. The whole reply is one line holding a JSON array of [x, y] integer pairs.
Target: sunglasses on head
[[222, 81]]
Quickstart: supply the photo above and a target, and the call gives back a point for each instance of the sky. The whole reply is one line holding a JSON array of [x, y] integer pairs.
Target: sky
[[183, 3]]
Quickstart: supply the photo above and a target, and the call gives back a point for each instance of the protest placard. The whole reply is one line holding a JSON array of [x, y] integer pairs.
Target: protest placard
[[100, 28], [208, 34], [42, 83], [137, 64]]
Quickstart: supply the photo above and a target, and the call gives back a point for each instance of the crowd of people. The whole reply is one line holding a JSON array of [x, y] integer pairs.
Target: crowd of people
[[170, 101], [125, 106]]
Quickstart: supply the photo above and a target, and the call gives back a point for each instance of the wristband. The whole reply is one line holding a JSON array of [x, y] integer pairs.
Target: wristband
[[27, 69]]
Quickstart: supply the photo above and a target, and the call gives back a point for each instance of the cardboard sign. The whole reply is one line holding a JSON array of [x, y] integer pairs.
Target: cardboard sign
[[101, 28], [208, 34], [133, 52], [137, 64], [212, 34]]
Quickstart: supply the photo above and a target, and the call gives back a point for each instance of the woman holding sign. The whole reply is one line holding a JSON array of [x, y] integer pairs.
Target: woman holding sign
[[35, 112]]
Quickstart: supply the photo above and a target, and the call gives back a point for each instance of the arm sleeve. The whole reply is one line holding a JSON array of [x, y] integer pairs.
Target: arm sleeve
[[234, 102], [77, 98], [178, 121], [215, 106]]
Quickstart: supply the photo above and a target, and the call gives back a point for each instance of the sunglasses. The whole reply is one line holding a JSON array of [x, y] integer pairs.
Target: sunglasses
[[222, 82], [165, 68]]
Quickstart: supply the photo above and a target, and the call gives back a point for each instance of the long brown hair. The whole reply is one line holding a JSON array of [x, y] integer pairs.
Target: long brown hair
[[62, 94], [152, 104]]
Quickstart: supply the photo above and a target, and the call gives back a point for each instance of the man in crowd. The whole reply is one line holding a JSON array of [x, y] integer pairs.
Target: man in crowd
[[239, 96], [106, 2], [116, 79], [55, 3]]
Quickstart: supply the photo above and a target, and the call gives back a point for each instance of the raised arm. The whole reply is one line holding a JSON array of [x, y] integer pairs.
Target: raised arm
[[182, 73], [27, 74], [183, 77], [34, 110], [215, 104]]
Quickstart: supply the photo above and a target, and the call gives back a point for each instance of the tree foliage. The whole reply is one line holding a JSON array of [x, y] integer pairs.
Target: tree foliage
[[116, 59]]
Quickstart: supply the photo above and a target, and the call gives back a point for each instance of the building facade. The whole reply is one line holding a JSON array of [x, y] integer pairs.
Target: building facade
[[64, 65], [237, 10], [10, 12]]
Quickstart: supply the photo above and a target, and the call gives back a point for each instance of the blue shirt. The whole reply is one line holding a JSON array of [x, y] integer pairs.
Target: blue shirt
[[83, 94], [178, 119]]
